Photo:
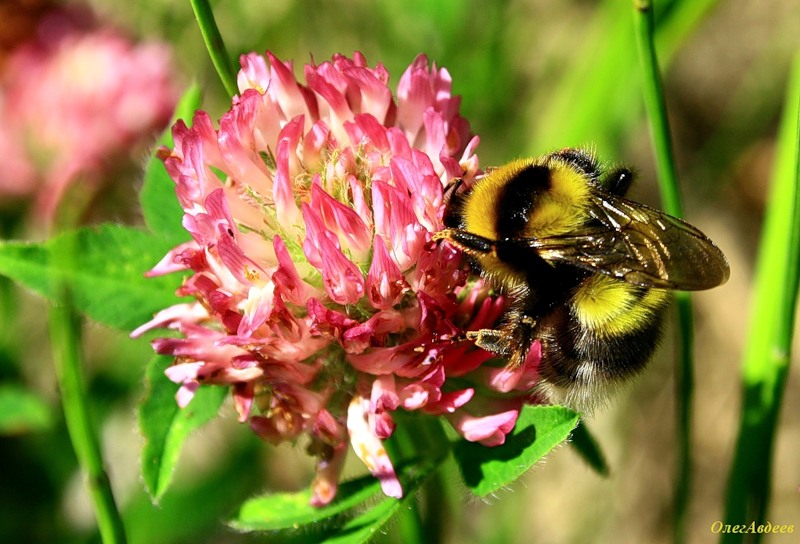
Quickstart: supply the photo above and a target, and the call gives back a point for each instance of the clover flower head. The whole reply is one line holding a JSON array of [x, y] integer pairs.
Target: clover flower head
[[318, 294]]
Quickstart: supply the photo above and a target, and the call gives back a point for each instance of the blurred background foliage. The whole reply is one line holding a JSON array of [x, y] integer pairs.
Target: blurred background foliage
[[535, 75]]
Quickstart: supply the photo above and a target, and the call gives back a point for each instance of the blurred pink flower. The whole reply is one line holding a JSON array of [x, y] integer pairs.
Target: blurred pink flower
[[320, 297], [74, 99]]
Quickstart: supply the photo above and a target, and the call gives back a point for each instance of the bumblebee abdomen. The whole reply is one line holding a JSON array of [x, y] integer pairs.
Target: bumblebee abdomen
[[606, 334], [609, 307]]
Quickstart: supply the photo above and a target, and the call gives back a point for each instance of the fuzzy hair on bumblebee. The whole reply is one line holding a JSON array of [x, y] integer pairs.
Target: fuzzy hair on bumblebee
[[588, 271]]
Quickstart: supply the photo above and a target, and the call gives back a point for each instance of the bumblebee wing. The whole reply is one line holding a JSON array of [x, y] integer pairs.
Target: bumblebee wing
[[639, 245]]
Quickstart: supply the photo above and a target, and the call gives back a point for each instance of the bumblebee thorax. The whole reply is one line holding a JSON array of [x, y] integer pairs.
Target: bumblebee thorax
[[528, 198]]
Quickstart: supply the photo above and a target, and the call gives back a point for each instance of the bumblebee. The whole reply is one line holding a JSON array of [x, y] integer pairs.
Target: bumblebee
[[588, 271]]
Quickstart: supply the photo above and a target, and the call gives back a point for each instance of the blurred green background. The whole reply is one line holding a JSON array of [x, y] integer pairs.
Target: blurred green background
[[535, 75]]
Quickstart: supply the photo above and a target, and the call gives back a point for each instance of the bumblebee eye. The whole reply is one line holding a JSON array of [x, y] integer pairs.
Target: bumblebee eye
[[619, 181]]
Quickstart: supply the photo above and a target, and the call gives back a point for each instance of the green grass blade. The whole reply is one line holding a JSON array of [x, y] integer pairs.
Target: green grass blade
[[655, 106], [767, 356], [656, 109]]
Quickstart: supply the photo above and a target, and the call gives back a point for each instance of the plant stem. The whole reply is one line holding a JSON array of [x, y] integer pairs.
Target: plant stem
[[412, 527], [418, 438], [66, 338], [438, 510], [655, 106], [215, 45], [684, 392], [65, 327], [65, 335], [767, 356]]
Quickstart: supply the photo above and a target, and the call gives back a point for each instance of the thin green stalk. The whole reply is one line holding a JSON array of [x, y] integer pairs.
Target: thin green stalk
[[215, 45], [767, 356], [412, 527], [435, 491], [66, 338], [401, 447], [655, 106], [684, 392], [65, 335], [65, 326], [438, 514]]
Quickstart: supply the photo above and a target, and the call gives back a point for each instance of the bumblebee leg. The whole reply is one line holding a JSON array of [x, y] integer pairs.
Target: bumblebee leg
[[469, 243], [512, 340], [494, 340]]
